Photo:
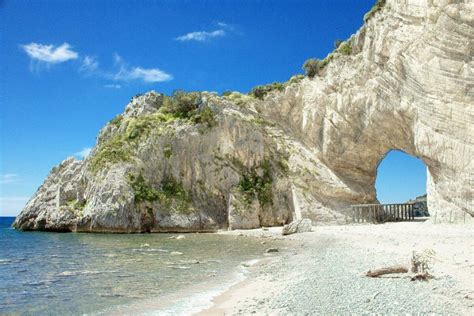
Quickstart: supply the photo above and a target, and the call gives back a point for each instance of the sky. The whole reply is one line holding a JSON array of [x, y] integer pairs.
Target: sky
[[67, 67]]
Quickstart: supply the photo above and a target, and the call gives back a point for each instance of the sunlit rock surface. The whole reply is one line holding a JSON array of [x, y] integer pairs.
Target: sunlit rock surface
[[308, 151]]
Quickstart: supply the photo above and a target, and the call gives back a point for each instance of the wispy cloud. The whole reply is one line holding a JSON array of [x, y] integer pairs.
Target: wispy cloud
[[8, 178], [201, 36], [112, 86], [12, 205], [127, 73], [83, 153], [47, 55], [89, 64], [50, 54]]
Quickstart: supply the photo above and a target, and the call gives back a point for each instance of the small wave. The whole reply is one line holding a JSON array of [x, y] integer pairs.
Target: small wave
[[200, 301], [74, 273], [187, 302], [37, 283], [112, 295], [179, 267], [150, 250]]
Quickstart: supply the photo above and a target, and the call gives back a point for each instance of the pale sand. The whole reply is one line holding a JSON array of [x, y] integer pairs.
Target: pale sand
[[323, 272]]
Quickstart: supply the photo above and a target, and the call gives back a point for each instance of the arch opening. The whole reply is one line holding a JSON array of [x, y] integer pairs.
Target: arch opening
[[402, 178]]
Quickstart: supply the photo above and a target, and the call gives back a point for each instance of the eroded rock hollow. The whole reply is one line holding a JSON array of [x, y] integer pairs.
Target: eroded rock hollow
[[307, 148]]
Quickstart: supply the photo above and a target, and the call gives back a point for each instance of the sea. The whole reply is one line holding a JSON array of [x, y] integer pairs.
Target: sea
[[44, 273]]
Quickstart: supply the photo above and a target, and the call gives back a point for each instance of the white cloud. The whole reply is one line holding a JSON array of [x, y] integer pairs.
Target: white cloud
[[83, 153], [50, 54], [201, 36], [89, 64], [8, 178], [149, 75], [12, 205], [126, 73], [112, 86]]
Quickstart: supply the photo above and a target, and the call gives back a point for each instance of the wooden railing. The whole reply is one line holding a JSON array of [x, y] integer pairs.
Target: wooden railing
[[380, 213]]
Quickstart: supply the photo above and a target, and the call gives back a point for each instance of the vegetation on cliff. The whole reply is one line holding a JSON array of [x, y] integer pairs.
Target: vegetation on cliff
[[185, 107], [114, 150], [376, 8], [170, 193], [257, 181], [260, 92]]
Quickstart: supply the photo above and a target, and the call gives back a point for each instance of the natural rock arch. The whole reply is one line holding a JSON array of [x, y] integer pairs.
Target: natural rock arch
[[406, 87], [309, 148]]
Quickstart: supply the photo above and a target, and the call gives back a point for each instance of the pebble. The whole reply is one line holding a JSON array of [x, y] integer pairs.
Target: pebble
[[270, 250], [176, 253]]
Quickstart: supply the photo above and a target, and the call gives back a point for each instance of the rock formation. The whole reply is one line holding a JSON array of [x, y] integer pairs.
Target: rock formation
[[307, 148], [420, 206], [299, 226]]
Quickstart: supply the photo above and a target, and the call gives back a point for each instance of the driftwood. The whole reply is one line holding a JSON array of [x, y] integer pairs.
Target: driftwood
[[419, 267], [387, 270]]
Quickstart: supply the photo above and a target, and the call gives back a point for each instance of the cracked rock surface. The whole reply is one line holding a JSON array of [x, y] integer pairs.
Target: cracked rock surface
[[310, 149]]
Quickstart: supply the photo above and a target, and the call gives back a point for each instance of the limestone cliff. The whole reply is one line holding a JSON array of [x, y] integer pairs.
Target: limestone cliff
[[308, 148]]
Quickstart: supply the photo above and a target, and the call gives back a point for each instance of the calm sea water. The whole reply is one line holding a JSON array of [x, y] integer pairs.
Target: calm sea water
[[68, 273]]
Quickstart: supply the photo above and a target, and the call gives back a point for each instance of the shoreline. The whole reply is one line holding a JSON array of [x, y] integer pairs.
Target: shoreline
[[197, 297], [323, 272]]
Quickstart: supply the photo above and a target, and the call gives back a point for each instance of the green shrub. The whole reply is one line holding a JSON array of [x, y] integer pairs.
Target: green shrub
[[376, 8], [345, 48], [296, 79], [171, 193], [114, 150], [311, 67], [205, 116], [142, 125], [143, 192], [283, 165], [138, 126], [337, 43], [76, 206], [116, 120], [239, 98], [181, 104], [174, 195], [260, 92], [167, 151], [171, 188], [252, 184]]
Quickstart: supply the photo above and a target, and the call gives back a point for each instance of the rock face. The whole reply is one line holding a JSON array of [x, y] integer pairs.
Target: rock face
[[309, 148]]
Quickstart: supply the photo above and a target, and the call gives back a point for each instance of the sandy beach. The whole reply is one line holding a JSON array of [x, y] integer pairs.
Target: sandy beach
[[323, 272]]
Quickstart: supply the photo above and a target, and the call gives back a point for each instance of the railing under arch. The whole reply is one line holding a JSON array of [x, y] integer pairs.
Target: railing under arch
[[380, 213]]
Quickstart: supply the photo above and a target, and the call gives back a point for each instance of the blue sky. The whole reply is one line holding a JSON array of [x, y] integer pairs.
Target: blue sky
[[67, 67]]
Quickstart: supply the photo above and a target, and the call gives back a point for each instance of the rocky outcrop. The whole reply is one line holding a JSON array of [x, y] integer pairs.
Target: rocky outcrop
[[309, 148], [420, 206]]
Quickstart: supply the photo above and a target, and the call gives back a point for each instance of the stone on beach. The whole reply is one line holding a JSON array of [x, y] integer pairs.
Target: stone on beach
[[299, 226], [270, 250]]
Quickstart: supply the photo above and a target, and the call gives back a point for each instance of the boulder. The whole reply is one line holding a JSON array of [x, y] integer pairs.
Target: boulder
[[299, 226]]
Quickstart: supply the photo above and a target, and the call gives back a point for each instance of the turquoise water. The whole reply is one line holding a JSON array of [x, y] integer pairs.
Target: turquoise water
[[68, 273]]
